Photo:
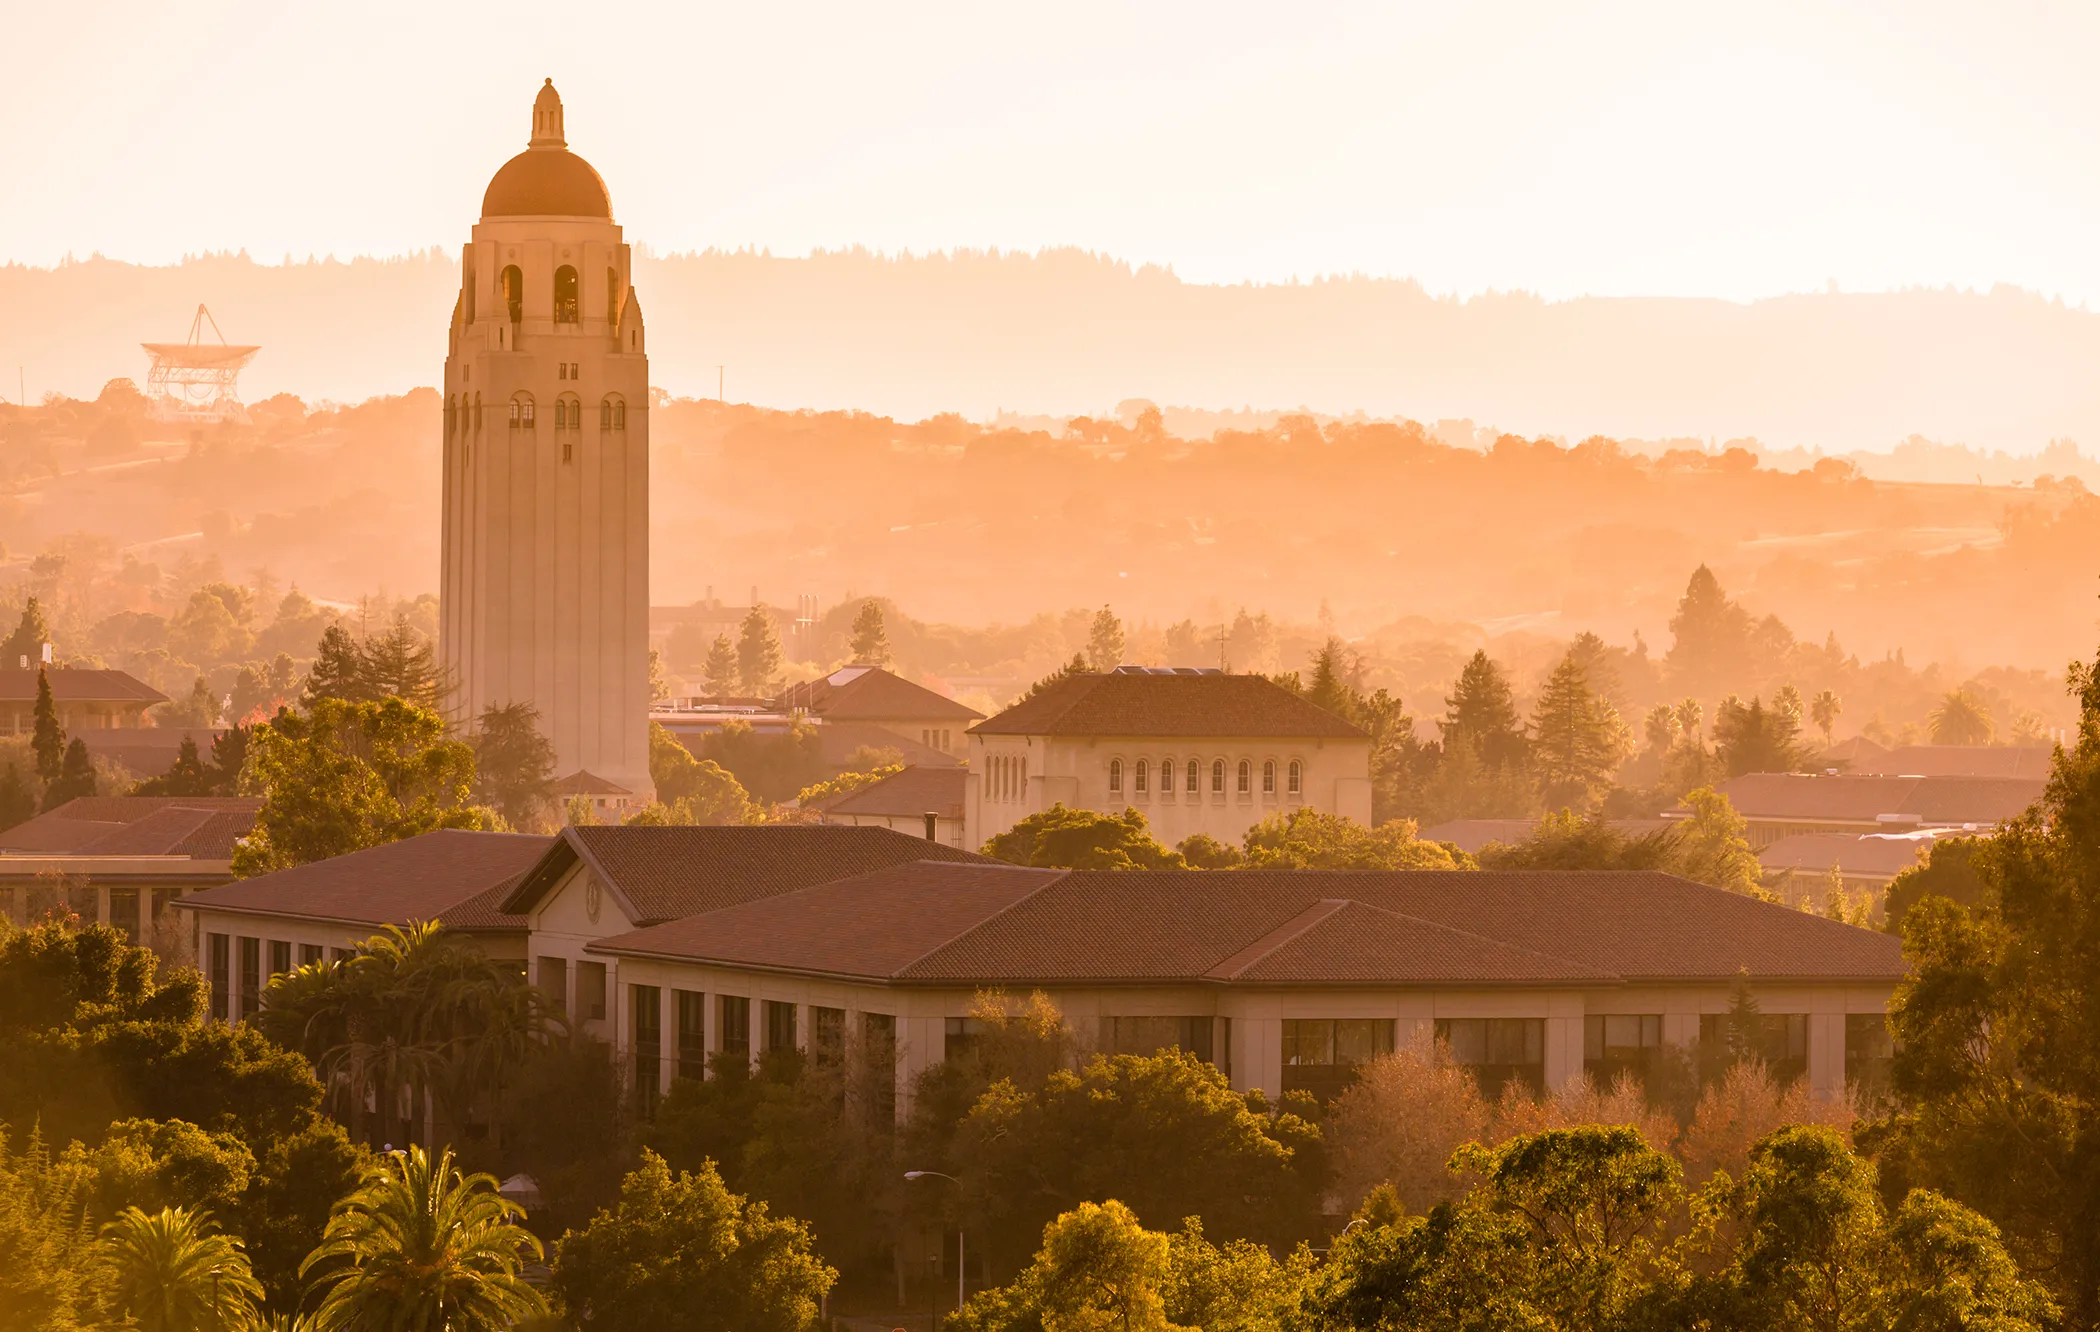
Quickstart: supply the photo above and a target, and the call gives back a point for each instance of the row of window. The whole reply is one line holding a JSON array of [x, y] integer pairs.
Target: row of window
[[132, 910], [825, 1039], [1169, 773], [463, 414], [568, 301], [1006, 776], [235, 966]]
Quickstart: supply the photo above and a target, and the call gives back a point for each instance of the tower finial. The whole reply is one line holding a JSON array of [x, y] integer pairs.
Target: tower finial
[[546, 118]]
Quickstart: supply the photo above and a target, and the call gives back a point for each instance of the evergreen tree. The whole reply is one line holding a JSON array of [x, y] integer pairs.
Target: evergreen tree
[[338, 671], [514, 763], [1481, 714], [758, 652], [28, 639], [1330, 687], [229, 754], [1712, 647], [200, 709], [1745, 1034], [76, 776], [1578, 740], [1751, 737], [1076, 666], [722, 669], [184, 777], [1105, 644], [48, 742], [17, 798], [871, 642], [402, 664]]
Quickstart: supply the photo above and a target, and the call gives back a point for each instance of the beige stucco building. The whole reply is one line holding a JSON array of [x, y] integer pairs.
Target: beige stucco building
[[1194, 751], [546, 466]]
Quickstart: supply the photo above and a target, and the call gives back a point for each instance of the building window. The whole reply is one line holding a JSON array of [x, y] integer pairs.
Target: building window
[[1321, 1055], [1150, 1035], [221, 974], [590, 991], [1268, 777], [734, 1016], [568, 411], [959, 1035], [692, 1034], [521, 411], [1115, 776], [1781, 1041], [1217, 776], [878, 1046], [309, 955], [568, 452], [1166, 776], [1295, 775], [1869, 1052], [1195, 778], [1498, 1050], [566, 305], [648, 1002], [827, 1034], [124, 912], [1246, 777], [280, 957], [780, 1026], [1137, 783], [554, 979], [514, 292], [1614, 1043], [251, 978]]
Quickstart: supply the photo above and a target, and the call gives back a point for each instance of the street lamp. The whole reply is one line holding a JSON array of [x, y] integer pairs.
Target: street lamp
[[959, 1251]]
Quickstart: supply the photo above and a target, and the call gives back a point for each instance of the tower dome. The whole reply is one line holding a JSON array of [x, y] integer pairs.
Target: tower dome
[[547, 180]]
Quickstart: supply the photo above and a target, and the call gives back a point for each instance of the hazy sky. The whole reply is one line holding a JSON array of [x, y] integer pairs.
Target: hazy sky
[[1662, 148]]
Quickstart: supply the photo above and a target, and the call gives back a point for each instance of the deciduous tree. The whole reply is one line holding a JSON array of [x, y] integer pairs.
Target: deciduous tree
[[871, 642], [1061, 838]]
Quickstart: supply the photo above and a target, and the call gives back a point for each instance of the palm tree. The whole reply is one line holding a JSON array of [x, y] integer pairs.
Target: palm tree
[[1961, 719], [1824, 710], [419, 1245], [173, 1273]]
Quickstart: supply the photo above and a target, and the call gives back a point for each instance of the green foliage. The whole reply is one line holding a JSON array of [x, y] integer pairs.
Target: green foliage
[[758, 652], [297, 1179], [1481, 716], [1577, 738], [421, 1245], [722, 669], [400, 663], [1205, 852], [171, 1271], [1961, 719], [1712, 638], [185, 776], [1105, 642], [76, 776], [47, 1250], [30, 634], [152, 1165], [871, 642], [1948, 870], [349, 776], [683, 1252], [693, 790], [1061, 838], [513, 764], [17, 798], [1714, 846], [770, 766], [1076, 666], [47, 739], [338, 672], [846, 783], [1824, 710], [1164, 1133], [1750, 737], [1305, 838], [1567, 841]]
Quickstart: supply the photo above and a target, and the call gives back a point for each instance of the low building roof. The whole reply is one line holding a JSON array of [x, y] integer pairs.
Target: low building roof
[[904, 795], [1470, 835], [1169, 704], [2031, 762], [869, 693], [1868, 856], [1786, 797], [659, 874], [454, 877], [838, 742], [987, 924], [199, 827], [584, 782], [78, 684]]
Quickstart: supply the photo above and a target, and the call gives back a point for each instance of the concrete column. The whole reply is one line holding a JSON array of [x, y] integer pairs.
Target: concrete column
[[1563, 1051], [1258, 1062], [667, 1035], [804, 1032], [1826, 1055], [755, 1027], [921, 1043]]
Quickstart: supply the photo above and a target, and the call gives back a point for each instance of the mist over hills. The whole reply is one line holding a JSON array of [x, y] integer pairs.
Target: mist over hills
[[1066, 332]]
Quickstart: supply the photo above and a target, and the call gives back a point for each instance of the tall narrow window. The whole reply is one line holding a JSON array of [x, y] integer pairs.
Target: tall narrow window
[[605, 414], [567, 305], [1268, 777], [619, 413], [1296, 777], [469, 284], [780, 1026], [648, 1002], [1195, 778], [1166, 776], [514, 292], [1246, 777], [734, 1020], [692, 1034], [451, 415], [1138, 778], [1115, 776], [521, 411], [221, 975], [251, 977], [1217, 775]]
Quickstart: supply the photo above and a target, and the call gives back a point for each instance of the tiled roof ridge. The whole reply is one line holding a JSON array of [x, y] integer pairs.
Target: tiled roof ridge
[[1050, 877], [1294, 928], [1314, 916]]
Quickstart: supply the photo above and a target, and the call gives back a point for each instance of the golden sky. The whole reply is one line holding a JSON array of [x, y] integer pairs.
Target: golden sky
[[1658, 148]]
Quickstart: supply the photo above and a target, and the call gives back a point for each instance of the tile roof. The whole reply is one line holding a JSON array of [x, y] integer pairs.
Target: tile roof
[[837, 742], [451, 876], [75, 684], [906, 794], [2027, 761], [1855, 798], [201, 827], [1874, 855], [585, 783], [1470, 835], [659, 874], [1191, 706], [1011, 927], [870, 693]]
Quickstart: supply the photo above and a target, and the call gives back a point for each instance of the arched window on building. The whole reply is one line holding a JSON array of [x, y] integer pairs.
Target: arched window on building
[[1195, 778], [1246, 777], [521, 411], [1268, 777], [1115, 776], [1138, 782], [568, 412], [1296, 777], [619, 412], [612, 413], [514, 292], [1217, 775], [1166, 776], [568, 306]]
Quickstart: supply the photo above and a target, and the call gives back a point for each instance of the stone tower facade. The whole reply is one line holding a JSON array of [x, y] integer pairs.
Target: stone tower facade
[[545, 593]]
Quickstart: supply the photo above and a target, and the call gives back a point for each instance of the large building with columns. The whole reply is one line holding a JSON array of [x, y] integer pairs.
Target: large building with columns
[[683, 944], [545, 571]]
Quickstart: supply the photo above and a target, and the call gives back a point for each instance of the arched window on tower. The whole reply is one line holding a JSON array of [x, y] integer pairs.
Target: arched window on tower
[[514, 292], [619, 412], [1217, 775], [568, 306], [568, 412], [521, 412], [1195, 780]]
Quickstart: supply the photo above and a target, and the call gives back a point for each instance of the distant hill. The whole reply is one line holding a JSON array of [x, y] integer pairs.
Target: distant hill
[[1065, 332]]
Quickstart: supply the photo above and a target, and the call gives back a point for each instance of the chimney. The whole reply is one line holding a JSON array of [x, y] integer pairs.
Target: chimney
[[933, 826]]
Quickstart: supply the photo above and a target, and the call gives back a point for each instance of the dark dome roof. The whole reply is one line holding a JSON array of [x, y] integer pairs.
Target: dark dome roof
[[547, 182]]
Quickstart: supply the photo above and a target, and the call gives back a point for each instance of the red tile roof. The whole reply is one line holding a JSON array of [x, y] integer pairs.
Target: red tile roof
[[1180, 705], [1015, 927], [905, 795], [870, 693], [2029, 761], [448, 876], [201, 827], [584, 783], [1778, 797], [74, 684], [837, 742], [659, 874], [1870, 856]]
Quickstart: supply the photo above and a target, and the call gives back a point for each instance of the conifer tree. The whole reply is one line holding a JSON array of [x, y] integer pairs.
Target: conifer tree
[[338, 671], [1104, 646], [76, 776], [722, 669], [402, 664], [1712, 642], [1329, 687], [1481, 713], [17, 798], [184, 777], [871, 641], [758, 653], [49, 741], [28, 639], [1578, 740]]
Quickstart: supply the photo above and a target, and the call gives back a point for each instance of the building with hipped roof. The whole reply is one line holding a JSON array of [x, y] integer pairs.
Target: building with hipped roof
[[1193, 750], [871, 696], [913, 800], [120, 860], [86, 700], [1790, 804]]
